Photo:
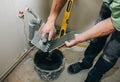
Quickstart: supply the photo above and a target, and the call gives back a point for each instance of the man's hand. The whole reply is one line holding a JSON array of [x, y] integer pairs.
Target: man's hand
[[48, 28], [73, 42]]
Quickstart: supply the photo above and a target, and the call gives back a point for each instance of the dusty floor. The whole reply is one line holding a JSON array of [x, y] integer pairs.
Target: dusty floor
[[25, 71]]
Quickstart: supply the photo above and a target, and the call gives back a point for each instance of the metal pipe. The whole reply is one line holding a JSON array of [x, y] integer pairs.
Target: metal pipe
[[32, 26], [4, 76], [31, 12]]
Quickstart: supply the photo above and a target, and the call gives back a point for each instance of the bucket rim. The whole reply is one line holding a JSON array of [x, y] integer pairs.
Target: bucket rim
[[62, 66]]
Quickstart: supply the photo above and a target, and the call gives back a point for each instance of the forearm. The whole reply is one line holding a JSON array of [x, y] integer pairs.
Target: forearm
[[101, 29], [57, 5]]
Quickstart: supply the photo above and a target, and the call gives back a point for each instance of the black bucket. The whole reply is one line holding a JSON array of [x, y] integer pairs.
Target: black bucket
[[49, 65]]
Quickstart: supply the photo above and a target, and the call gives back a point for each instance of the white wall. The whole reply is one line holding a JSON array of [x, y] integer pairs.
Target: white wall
[[83, 14], [12, 38]]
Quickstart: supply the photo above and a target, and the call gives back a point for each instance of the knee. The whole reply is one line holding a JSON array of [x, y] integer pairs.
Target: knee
[[110, 58]]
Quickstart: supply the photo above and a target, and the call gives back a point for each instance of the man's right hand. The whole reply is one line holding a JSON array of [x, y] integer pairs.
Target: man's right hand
[[48, 28]]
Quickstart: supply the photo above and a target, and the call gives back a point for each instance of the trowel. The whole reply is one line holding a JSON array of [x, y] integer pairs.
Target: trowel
[[48, 46], [41, 43]]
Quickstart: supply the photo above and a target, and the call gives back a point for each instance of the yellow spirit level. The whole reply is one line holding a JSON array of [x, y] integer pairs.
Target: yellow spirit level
[[69, 5], [65, 21]]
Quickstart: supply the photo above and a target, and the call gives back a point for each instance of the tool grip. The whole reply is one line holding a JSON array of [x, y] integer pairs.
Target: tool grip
[[45, 39]]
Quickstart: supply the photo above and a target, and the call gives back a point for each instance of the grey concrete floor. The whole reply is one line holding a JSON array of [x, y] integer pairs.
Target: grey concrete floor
[[25, 71]]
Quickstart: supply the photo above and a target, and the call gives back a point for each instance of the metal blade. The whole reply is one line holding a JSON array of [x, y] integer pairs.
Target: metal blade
[[54, 44], [38, 42]]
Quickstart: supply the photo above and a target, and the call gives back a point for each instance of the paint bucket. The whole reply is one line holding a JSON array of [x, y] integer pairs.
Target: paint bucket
[[49, 65]]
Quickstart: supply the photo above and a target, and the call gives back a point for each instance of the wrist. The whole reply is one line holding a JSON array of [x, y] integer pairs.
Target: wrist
[[51, 19], [83, 37], [80, 38], [50, 23]]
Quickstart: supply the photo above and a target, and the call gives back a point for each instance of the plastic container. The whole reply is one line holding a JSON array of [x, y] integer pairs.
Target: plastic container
[[49, 65]]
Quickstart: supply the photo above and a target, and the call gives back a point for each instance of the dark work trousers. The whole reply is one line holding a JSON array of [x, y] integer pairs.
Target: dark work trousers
[[111, 51]]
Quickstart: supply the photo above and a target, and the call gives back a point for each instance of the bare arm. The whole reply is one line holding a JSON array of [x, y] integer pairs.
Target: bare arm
[[49, 27], [57, 5], [103, 28]]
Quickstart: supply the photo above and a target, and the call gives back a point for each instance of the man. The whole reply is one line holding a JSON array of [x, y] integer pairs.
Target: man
[[107, 23]]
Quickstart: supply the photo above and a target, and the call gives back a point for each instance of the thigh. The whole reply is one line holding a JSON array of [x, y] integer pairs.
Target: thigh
[[112, 49]]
